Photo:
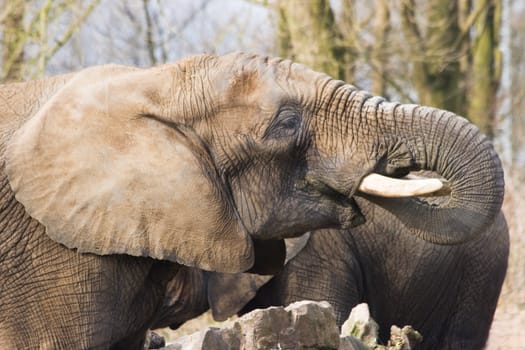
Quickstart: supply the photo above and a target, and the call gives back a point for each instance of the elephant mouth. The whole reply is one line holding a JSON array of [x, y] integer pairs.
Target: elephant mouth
[[353, 215], [313, 185]]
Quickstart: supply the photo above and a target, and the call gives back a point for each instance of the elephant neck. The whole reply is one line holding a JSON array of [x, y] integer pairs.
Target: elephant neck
[[18, 231]]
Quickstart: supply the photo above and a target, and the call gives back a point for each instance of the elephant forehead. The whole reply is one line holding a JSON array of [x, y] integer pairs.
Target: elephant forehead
[[243, 82]]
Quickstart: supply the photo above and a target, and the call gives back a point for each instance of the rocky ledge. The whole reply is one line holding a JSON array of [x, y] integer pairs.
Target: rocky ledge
[[302, 325]]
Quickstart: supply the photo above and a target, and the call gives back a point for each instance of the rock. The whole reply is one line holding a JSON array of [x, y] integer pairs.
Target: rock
[[313, 324], [405, 338], [265, 329], [211, 338], [302, 325], [351, 343], [360, 332], [360, 325], [154, 341]]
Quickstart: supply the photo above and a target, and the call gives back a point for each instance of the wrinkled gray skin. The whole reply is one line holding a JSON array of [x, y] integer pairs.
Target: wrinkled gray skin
[[447, 293], [256, 134], [193, 291], [186, 298]]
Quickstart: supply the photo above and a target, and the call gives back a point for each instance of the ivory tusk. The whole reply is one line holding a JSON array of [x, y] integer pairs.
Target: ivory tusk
[[384, 186]]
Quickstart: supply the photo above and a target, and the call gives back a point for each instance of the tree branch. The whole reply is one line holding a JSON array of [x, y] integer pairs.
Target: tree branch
[[149, 33], [74, 26]]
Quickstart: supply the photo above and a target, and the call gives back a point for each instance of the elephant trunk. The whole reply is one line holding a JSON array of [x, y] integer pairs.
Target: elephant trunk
[[443, 143]]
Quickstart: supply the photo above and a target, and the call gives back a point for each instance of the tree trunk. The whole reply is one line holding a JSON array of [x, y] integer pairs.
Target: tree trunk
[[435, 53], [486, 66], [13, 41], [349, 35], [380, 49], [517, 91], [308, 34], [150, 44]]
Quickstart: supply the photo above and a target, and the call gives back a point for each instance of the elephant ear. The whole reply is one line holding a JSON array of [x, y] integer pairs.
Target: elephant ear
[[229, 293], [105, 174]]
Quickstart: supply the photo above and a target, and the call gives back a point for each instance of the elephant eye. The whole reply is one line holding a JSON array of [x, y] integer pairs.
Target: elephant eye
[[285, 124]]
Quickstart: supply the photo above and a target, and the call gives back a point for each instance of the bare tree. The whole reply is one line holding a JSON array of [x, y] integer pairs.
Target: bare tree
[[12, 17], [379, 59], [157, 31], [517, 90], [485, 72], [446, 52], [34, 31], [308, 34], [434, 52], [454, 51]]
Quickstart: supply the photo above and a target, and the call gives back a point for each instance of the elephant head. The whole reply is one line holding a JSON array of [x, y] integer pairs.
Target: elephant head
[[197, 161]]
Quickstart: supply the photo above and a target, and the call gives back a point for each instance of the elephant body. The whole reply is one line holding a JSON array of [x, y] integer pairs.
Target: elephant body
[[447, 293], [115, 180], [86, 300], [52, 297]]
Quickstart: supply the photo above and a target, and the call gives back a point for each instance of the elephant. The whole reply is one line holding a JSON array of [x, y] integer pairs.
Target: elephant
[[448, 293], [193, 291], [114, 178]]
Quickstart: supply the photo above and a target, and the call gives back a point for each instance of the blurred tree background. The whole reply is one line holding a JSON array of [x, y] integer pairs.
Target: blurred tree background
[[447, 51], [467, 56]]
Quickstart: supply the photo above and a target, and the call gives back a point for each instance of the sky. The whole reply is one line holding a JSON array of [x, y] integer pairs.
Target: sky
[[115, 32]]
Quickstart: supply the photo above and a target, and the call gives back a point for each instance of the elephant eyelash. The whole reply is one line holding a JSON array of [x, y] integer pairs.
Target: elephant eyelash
[[286, 124]]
